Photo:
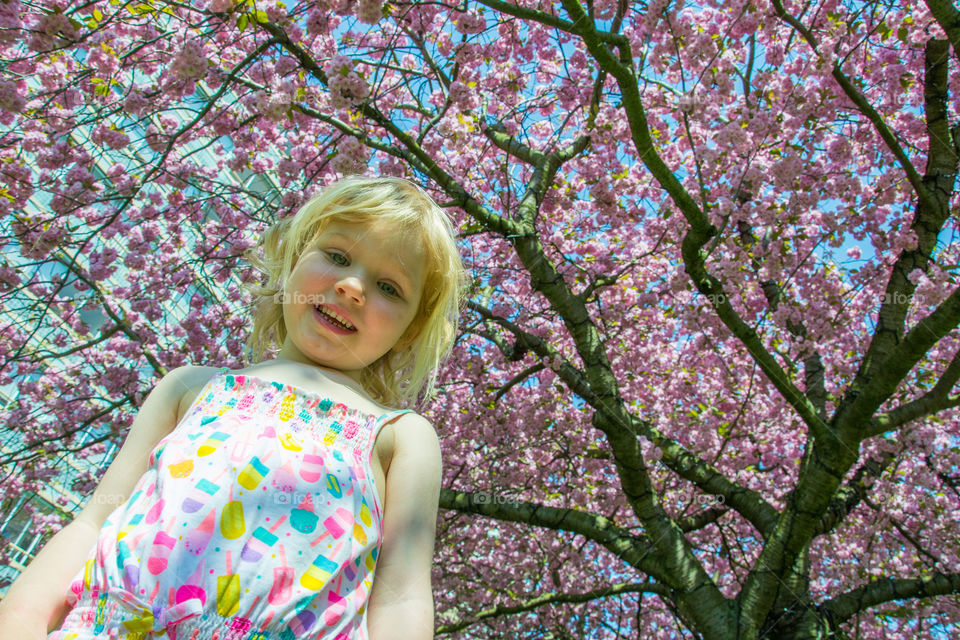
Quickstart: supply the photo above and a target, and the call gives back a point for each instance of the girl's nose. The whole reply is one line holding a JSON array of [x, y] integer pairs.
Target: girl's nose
[[351, 286]]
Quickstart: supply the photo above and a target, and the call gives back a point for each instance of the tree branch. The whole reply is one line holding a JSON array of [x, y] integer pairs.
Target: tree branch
[[913, 176], [750, 504], [413, 153], [551, 20], [702, 519], [632, 549], [884, 354], [517, 379], [948, 17], [847, 605], [899, 361], [555, 598], [701, 231], [853, 492], [934, 401]]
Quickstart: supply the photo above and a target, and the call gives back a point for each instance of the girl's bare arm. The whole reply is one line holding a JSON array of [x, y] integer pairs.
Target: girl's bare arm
[[34, 604], [401, 601]]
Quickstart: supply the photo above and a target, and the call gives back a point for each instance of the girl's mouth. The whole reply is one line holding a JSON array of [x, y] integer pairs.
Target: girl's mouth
[[335, 324]]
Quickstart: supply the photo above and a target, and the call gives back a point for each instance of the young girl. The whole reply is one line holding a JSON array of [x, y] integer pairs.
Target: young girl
[[284, 500]]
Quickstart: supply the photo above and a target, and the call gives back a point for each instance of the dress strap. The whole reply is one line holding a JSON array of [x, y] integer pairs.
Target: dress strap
[[387, 418]]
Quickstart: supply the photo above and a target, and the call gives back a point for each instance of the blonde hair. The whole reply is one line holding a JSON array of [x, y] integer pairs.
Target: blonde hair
[[409, 369]]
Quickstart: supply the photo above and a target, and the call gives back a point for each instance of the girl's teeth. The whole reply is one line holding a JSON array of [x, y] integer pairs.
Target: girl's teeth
[[335, 317]]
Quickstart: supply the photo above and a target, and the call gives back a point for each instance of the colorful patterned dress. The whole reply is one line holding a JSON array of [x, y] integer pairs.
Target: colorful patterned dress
[[257, 519]]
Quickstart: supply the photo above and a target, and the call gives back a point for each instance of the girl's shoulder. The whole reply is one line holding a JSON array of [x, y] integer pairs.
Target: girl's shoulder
[[192, 380]]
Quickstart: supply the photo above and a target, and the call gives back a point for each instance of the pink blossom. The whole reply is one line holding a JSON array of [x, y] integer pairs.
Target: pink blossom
[[343, 7], [189, 64], [10, 21], [471, 22], [288, 169], [319, 21], [369, 11], [284, 65], [136, 102], [50, 29], [351, 156], [155, 139], [291, 199], [105, 136], [10, 98], [464, 96], [346, 86], [273, 106]]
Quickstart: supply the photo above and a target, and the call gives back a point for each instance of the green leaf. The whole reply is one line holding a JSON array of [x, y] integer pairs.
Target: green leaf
[[242, 22]]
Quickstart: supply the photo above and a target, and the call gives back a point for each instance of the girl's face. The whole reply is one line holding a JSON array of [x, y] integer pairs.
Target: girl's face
[[351, 295]]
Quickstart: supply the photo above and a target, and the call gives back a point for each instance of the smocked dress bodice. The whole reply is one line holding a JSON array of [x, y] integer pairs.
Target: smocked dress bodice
[[257, 518]]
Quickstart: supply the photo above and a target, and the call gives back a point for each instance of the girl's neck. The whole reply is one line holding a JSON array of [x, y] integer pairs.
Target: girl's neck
[[333, 374]]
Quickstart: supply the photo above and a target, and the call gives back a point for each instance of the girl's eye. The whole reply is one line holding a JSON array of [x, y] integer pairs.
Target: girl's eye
[[337, 257], [389, 289]]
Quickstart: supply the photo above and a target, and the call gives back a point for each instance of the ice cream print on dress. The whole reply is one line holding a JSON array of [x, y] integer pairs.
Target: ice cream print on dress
[[284, 507]]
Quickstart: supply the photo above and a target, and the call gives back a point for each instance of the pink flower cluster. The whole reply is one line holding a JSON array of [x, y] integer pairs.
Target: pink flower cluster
[[10, 99], [37, 239], [288, 170], [189, 64], [346, 86], [273, 106], [321, 22], [107, 137], [10, 21], [343, 7], [50, 30], [471, 22], [369, 11], [655, 10], [351, 156], [154, 139], [136, 102], [19, 182]]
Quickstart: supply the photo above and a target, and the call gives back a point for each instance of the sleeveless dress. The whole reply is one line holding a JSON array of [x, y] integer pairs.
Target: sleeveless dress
[[257, 519]]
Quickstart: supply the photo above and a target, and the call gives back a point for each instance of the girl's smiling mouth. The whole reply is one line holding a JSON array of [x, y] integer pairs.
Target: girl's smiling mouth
[[334, 320]]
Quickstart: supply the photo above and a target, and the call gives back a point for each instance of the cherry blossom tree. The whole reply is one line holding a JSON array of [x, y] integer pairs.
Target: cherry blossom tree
[[706, 384]]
